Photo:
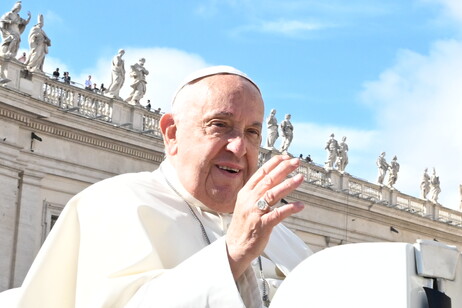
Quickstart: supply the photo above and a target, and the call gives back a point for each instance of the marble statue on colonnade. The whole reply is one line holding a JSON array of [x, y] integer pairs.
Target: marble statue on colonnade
[[138, 74], [342, 155], [39, 43], [425, 184], [383, 167], [117, 75], [272, 129], [393, 174], [287, 131], [434, 187], [332, 151], [11, 27]]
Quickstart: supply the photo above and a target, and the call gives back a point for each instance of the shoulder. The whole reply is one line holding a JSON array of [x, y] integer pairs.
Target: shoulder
[[124, 191], [123, 184]]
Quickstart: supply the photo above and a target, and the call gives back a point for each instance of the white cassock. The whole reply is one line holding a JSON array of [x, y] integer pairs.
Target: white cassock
[[131, 241]]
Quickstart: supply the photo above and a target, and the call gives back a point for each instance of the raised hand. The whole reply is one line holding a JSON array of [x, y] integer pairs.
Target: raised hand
[[251, 225]]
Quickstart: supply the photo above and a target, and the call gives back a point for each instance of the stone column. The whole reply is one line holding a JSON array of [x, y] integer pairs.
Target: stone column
[[11, 69], [9, 219], [436, 210], [32, 83], [29, 235], [338, 180], [429, 210], [389, 195], [121, 112], [137, 117], [21, 79], [334, 178]]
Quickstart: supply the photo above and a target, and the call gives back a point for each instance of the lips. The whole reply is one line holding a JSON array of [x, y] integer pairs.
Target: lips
[[228, 169]]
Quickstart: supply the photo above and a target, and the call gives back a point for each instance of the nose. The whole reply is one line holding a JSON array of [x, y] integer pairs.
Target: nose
[[237, 145]]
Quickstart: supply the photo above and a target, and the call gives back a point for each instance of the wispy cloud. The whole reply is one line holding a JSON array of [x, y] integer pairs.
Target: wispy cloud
[[297, 7], [289, 27], [451, 8], [283, 27]]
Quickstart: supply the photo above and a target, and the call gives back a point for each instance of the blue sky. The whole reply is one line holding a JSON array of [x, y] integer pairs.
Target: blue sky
[[386, 74]]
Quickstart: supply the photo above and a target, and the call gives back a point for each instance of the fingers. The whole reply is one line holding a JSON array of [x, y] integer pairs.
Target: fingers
[[279, 191], [277, 215], [270, 182], [274, 217], [272, 173], [266, 169]]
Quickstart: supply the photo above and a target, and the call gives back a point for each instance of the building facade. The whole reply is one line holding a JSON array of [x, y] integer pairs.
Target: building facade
[[57, 139]]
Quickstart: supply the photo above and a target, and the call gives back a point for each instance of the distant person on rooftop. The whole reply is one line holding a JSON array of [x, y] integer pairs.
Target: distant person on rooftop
[[88, 83], [67, 78], [102, 88], [308, 158], [56, 73]]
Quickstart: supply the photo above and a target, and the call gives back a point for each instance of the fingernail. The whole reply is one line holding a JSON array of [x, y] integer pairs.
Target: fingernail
[[295, 161], [298, 177]]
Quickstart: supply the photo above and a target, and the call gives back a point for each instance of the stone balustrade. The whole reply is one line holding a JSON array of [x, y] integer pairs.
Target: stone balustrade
[[84, 102], [377, 194], [75, 99]]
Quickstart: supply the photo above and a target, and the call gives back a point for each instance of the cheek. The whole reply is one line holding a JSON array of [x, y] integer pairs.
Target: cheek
[[252, 155]]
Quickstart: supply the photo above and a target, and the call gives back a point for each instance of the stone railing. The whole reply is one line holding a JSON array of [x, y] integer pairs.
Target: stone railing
[[376, 194], [82, 101], [151, 123], [74, 99], [450, 216]]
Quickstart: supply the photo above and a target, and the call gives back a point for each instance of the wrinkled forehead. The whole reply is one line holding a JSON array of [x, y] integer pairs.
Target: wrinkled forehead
[[208, 72]]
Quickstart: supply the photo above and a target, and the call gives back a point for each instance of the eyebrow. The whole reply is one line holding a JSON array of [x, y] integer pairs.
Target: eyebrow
[[226, 114]]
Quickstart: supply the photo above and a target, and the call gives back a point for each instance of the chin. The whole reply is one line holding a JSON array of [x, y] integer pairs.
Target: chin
[[222, 204]]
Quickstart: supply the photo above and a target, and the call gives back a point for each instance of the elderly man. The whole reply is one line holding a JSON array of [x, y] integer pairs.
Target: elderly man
[[185, 235]]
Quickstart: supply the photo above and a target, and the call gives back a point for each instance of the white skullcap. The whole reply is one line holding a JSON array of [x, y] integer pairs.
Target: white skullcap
[[210, 71]]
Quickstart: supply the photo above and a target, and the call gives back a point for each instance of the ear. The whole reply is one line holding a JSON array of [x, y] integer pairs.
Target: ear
[[169, 129]]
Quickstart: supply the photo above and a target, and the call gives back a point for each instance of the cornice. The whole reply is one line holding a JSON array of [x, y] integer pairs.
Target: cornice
[[82, 137]]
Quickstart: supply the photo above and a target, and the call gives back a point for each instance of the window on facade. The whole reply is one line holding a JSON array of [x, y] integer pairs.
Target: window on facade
[[53, 219], [50, 214]]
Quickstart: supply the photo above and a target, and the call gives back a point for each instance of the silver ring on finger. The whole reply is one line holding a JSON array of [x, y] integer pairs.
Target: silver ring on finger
[[263, 205]]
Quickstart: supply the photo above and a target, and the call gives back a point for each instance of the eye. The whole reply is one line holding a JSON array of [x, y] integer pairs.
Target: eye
[[217, 127], [254, 136], [218, 124], [254, 131]]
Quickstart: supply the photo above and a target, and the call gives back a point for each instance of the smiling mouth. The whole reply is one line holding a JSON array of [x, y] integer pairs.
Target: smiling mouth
[[228, 169]]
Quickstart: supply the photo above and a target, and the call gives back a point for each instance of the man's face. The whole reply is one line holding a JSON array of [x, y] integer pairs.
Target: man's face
[[218, 136]]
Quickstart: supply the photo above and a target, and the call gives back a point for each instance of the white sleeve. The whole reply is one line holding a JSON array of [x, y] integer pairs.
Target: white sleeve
[[203, 280]]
